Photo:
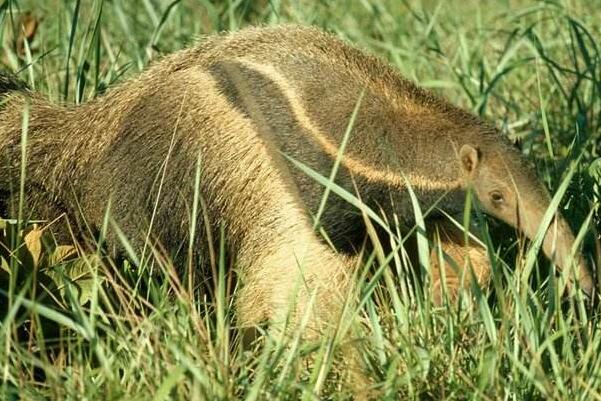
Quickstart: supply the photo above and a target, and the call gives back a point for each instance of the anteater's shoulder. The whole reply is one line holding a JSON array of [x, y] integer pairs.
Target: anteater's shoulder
[[299, 50]]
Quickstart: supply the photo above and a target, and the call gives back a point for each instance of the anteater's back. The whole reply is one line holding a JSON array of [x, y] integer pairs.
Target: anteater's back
[[292, 88]]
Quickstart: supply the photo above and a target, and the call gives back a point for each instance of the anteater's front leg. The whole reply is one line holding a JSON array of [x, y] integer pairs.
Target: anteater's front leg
[[284, 268], [291, 278], [455, 263]]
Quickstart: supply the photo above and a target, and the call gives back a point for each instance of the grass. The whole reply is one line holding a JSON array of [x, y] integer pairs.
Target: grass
[[78, 326]]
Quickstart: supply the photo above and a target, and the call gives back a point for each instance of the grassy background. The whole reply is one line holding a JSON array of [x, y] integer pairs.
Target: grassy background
[[101, 331]]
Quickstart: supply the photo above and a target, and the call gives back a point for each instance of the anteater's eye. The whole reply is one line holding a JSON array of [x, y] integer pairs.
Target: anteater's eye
[[497, 198]]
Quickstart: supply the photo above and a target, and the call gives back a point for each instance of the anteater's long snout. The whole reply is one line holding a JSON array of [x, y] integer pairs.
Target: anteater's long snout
[[558, 245]]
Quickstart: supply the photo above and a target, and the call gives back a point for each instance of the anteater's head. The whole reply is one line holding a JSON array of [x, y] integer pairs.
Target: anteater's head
[[508, 189]]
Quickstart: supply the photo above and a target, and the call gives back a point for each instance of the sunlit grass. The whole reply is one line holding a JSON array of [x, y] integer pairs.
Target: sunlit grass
[[76, 325]]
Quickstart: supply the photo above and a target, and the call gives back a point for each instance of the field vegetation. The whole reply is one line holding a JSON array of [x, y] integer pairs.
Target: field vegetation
[[75, 324]]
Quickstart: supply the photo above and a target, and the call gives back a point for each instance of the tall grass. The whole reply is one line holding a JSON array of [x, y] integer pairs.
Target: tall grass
[[80, 326]]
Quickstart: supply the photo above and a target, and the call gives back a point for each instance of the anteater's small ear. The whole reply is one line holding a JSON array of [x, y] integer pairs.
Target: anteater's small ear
[[469, 158]]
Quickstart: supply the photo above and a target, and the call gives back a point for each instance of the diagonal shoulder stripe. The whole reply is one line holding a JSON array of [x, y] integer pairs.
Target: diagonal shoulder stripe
[[356, 166]]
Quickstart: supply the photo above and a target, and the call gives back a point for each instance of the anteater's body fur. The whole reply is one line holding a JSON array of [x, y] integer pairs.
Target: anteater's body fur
[[236, 104]]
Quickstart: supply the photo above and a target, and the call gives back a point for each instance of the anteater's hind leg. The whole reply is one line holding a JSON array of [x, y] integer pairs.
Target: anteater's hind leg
[[454, 263], [38, 205]]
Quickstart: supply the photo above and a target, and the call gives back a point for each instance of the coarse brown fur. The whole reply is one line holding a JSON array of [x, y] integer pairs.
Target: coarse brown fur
[[237, 103]]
